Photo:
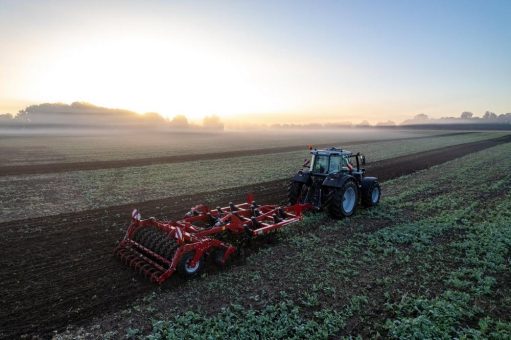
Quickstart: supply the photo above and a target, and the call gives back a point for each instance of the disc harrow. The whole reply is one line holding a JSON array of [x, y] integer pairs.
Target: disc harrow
[[157, 249]]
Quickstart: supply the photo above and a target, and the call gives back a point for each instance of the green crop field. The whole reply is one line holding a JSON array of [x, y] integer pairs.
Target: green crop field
[[431, 261], [49, 194]]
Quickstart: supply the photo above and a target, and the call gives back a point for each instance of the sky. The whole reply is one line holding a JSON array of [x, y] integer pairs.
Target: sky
[[260, 61]]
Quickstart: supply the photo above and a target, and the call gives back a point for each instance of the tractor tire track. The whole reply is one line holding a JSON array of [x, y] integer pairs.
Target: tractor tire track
[[58, 270]]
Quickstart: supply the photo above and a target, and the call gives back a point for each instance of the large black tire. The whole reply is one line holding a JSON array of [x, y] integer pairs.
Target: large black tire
[[342, 202], [371, 194], [185, 270], [294, 192]]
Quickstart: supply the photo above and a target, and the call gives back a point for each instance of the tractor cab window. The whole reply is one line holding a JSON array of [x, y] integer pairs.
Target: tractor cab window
[[320, 164], [335, 164], [346, 164], [338, 163]]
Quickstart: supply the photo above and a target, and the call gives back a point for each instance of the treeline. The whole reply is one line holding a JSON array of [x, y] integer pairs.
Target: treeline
[[488, 120], [85, 115], [465, 117], [80, 114], [209, 122], [363, 124]]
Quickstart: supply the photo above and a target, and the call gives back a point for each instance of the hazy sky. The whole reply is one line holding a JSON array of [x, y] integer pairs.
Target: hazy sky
[[257, 61]]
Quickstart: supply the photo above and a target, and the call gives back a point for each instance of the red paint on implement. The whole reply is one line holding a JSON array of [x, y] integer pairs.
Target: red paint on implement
[[247, 219]]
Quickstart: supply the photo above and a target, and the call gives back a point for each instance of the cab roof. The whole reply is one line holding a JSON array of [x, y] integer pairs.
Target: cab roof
[[331, 151]]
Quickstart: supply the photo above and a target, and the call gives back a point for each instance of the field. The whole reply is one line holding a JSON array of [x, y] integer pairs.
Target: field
[[432, 260], [60, 192], [67, 148]]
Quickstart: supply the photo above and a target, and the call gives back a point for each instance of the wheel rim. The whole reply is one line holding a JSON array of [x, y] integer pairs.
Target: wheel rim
[[375, 195], [189, 269], [348, 199]]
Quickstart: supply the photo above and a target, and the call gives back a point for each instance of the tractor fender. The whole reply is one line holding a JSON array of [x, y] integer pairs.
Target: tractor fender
[[302, 177], [337, 180], [367, 181]]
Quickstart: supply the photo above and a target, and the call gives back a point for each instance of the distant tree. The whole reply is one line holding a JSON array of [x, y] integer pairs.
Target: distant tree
[[179, 121], [153, 117], [338, 125], [312, 126], [8, 119], [364, 123], [489, 115], [23, 115], [466, 115], [421, 116], [83, 105], [213, 122], [505, 117], [387, 123]]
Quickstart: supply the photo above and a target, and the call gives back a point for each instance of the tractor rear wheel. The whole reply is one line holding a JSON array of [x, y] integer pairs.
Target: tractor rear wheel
[[294, 192], [184, 268], [371, 194], [343, 201]]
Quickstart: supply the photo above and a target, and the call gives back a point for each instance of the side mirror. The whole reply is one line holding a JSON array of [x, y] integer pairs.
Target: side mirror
[[363, 159]]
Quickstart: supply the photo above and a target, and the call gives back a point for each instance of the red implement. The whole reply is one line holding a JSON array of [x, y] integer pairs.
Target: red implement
[[157, 249]]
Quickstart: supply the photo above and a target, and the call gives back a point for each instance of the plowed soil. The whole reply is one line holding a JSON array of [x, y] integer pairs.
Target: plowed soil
[[31, 169], [58, 270]]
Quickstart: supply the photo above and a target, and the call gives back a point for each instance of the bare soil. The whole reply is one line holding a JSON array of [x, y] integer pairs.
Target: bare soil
[[58, 270]]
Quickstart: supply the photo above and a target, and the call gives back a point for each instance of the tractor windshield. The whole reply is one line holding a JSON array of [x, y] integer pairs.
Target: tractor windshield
[[335, 163], [319, 164], [338, 163]]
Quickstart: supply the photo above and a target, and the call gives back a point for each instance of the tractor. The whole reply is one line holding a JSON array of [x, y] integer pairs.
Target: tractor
[[331, 181]]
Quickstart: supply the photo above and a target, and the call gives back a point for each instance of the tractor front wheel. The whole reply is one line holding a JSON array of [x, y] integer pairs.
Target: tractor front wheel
[[184, 268], [371, 194], [343, 201]]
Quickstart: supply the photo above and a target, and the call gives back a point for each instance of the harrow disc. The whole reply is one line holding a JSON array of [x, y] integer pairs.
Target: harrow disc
[[157, 241], [145, 251]]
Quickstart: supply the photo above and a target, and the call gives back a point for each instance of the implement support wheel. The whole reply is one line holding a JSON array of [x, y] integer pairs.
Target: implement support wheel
[[184, 268]]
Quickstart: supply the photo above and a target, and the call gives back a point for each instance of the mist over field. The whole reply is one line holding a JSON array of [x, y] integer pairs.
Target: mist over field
[[68, 145]]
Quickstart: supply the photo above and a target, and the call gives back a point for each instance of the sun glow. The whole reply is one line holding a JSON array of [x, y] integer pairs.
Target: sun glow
[[256, 62], [162, 74]]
